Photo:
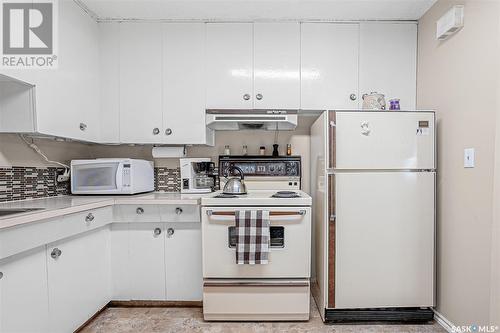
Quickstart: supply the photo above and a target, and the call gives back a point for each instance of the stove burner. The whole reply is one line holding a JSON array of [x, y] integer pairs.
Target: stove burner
[[225, 196], [285, 194]]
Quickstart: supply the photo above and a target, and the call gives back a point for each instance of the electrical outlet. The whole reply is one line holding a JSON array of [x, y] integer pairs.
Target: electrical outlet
[[469, 157], [64, 177]]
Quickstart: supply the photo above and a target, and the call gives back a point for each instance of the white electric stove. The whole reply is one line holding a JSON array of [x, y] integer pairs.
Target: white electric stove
[[278, 290]]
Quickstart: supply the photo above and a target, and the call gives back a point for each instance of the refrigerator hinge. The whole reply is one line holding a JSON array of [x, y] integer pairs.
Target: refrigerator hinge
[[333, 218], [332, 123]]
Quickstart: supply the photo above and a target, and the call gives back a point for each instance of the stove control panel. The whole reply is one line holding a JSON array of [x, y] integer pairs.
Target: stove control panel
[[261, 166]]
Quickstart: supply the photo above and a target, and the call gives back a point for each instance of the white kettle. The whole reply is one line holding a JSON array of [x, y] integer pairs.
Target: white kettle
[[373, 101]]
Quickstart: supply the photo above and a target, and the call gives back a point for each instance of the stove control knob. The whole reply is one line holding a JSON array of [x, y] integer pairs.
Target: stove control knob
[[271, 168]]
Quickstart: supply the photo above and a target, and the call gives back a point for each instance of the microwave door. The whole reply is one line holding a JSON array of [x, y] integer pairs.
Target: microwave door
[[93, 178]]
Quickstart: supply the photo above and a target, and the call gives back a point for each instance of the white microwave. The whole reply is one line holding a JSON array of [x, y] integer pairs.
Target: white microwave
[[111, 176]]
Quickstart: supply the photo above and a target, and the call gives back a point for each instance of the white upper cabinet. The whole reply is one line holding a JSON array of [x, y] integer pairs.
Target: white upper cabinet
[[229, 65], [276, 65], [388, 61], [329, 66], [110, 82], [184, 84], [141, 83]]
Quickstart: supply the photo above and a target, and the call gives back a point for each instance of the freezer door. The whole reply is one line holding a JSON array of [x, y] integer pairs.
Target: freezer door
[[384, 140], [384, 242]]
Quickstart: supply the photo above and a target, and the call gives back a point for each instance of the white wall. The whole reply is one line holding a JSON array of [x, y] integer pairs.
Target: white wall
[[14, 152], [459, 78]]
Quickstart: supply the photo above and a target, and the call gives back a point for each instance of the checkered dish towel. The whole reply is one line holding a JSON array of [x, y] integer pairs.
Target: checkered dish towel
[[252, 231]]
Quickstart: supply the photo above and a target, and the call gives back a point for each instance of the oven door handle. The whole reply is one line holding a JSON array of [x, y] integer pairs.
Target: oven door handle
[[256, 284], [301, 212]]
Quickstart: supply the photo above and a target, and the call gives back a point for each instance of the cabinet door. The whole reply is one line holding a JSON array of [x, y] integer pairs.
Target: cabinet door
[[184, 83], [277, 65], [388, 61], [183, 261], [146, 261], [23, 293], [229, 65], [120, 269], [78, 279], [329, 66], [109, 40], [140, 83]]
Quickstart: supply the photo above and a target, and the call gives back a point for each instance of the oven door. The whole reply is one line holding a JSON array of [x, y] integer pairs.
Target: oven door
[[290, 251], [96, 177]]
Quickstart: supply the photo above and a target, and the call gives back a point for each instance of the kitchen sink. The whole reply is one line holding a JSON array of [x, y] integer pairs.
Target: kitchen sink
[[12, 211]]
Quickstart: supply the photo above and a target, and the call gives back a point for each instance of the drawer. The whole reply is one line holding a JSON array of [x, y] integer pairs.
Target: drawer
[[256, 300], [90, 219], [137, 213], [180, 213], [28, 236]]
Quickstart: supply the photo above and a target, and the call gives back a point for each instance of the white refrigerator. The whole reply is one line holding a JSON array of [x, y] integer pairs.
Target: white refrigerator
[[373, 176]]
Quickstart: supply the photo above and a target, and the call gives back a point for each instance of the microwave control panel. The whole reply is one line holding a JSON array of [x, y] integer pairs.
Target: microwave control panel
[[126, 175]]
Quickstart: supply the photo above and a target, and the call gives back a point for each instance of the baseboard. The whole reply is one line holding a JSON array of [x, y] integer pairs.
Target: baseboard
[[443, 322], [155, 304]]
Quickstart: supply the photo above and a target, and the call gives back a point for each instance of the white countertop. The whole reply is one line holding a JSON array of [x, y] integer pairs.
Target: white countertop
[[58, 206]]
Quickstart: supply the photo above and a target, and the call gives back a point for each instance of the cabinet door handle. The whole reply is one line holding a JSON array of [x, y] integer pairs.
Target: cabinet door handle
[[139, 210], [1, 275], [259, 96], [170, 232], [156, 131], [56, 253], [83, 126], [168, 131], [89, 218], [246, 97], [178, 211], [157, 231], [353, 97]]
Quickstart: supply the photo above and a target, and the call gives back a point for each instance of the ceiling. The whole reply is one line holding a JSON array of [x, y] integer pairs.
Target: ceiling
[[252, 10]]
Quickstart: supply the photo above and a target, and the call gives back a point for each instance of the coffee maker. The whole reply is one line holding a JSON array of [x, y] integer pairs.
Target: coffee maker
[[197, 175]]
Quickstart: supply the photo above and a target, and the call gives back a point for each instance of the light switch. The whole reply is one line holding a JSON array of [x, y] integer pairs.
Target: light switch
[[469, 157]]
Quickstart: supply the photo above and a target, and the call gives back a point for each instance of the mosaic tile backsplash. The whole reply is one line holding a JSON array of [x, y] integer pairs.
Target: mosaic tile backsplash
[[20, 183]]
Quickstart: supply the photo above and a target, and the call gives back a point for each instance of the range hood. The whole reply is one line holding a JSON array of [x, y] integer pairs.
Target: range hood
[[233, 120]]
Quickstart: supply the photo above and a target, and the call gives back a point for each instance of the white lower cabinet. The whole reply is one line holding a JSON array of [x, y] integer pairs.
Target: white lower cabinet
[[155, 261], [137, 261], [183, 261], [78, 275], [146, 261], [23, 293]]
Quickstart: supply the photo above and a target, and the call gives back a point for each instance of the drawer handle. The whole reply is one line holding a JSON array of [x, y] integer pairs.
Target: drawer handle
[[139, 210], [89, 218], [157, 232], [170, 232], [178, 211], [56, 253]]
